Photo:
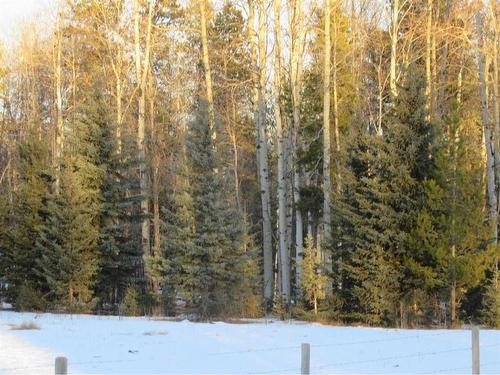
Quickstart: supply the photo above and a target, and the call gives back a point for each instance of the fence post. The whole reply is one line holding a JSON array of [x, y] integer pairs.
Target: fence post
[[475, 350], [305, 359], [61, 366]]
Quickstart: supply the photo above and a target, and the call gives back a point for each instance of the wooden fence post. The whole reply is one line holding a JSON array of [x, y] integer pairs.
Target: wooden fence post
[[61, 366], [305, 359], [475, 350]]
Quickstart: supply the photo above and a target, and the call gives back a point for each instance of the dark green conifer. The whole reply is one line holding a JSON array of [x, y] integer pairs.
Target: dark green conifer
[[377, 208], [18, 254]]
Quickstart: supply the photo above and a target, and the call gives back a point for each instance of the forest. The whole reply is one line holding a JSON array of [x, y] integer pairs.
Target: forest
[[330, 160]]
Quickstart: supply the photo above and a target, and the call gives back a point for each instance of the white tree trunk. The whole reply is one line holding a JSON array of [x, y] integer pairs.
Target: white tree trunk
[[496, 98], [206, 67], [156, 175], [282, 208], [59, 116], [119, 94], [259, 81], [489, 145], [142, 69], [336, 99], [428, 78], [394, 44], [327, 178], [496, 114], [297, 33]]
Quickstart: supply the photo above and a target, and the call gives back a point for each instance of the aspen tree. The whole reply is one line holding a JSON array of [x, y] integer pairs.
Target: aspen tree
[[282, 209], [258, 44], [117, 61], [206, 67], [394, 30], [297, 35], [496, 117], [327, 179], [496, 94], [453, 291], [142, 69], [57, 62], [489, 145], [428, 78], [155, 171], [336, 93], [434, 69], [264, 174]]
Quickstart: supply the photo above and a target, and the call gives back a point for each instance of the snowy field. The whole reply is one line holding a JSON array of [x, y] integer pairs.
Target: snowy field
[[109, 345]]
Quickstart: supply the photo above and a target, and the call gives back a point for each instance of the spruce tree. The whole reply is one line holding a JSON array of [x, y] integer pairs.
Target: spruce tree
[[67, 241], [449, 241], [377, 207], [491, 302], [212, 252], [18, 254], [69, 237], [313, 281], [167, 269], [119, 218]]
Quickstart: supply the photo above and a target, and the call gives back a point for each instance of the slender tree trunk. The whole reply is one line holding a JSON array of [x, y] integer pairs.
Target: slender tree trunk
[[434, 66], [495, 96], [234, 143], [296, 58], [59, 115], [440, 94], [327, 178], [142, 69], [119, 94], [259, 78], [156, 177], [453, 294], [428, 78], [336, 101], [394, 43], [282, 208], [380, 95], [73, 73], [206, 67], [264, 170], [489, 145], [496, 114], [456, 140]]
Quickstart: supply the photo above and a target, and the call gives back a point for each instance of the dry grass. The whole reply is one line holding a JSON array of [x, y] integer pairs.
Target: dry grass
[[25, 326], [241, 321], [155, 333]]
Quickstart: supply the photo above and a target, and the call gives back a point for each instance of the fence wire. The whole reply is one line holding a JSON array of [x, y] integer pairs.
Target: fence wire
[[313, 368]]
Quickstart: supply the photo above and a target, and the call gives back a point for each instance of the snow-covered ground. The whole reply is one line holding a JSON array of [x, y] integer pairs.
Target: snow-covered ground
[[109, 345]]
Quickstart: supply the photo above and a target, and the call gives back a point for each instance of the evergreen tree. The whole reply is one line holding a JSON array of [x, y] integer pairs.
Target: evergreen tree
[[378, 205], [67, 241], [447, 243], [178, 226], [120, 221], [313, 281], [491, 302], [18, 253], [69, 237], [211, 252]]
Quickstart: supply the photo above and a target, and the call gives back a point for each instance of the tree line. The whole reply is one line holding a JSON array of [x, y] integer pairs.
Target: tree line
[[335, 160]]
